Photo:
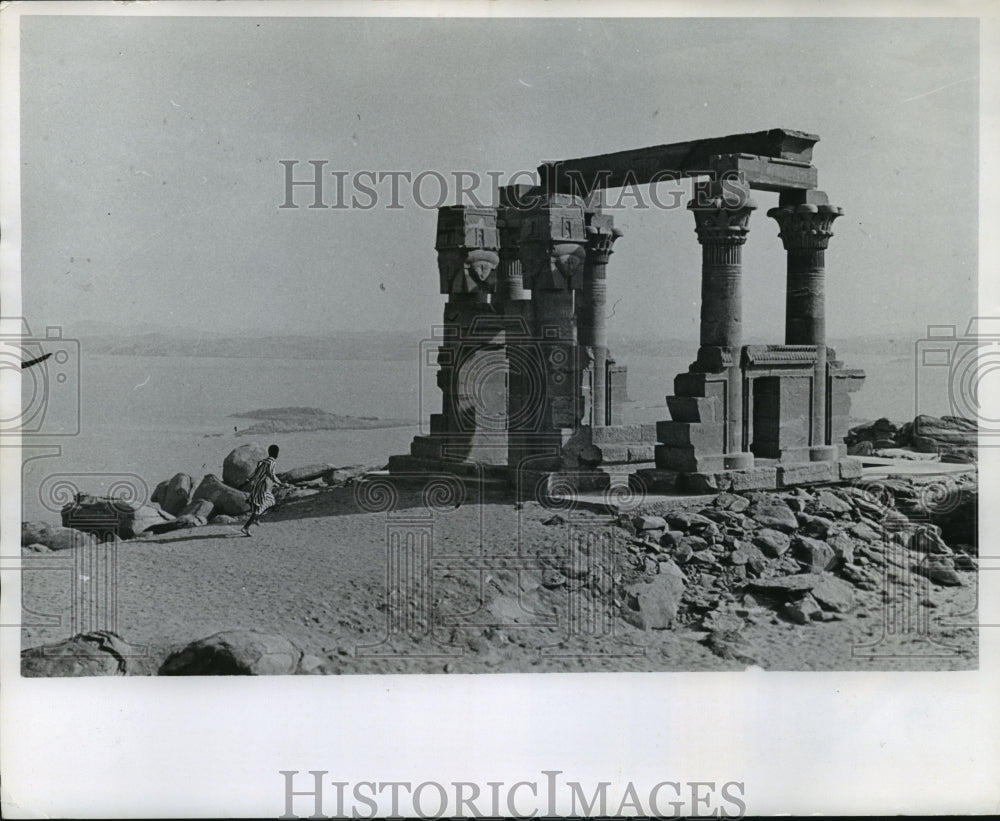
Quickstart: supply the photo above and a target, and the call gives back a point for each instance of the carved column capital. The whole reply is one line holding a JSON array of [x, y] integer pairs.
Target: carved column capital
[[467, 246], [720, 221], [601, 236], [805, 227], [552, 245]]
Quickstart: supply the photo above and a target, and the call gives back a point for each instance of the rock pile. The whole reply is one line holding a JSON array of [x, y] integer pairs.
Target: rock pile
[[952, 438], [800, 554], [177, 503]]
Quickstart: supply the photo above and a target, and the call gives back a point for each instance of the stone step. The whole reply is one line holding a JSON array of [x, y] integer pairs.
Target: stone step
[[688, 460]]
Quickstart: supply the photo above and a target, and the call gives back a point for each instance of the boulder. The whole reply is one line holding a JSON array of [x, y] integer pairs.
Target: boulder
[[239, 465], [843, 548], [54, 538], [833, 594], [177, 494], [940, 570], [881, 430], [788, 585], [804, 610], [224, 498], [339, 477], [200, 510], [223, 519], [35, 547], [772, 542], [777, 516], [642, 523], [826, 503], [932, 434], [102, 515], [234, 653], [653, 605], [813, 554], [961, 456], [305, 474], [99, 653], [159, 492]]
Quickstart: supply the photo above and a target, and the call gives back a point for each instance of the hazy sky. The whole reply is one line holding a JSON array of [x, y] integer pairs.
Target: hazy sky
[[151, 180]]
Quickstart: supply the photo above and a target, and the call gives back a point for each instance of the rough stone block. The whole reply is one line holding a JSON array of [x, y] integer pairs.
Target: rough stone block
[[705, 436], [687, 460], [642, 452], [808, 473], [616, 434], [694, 409], [700, 384], [648, 432], [611, 454], [849, 468], [757, 478], [653, 480]]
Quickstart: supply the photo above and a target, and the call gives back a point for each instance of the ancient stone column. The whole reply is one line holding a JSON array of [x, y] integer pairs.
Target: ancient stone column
[[805, 231], [467, 244], [721, 222], [601, 236], [553, 254]]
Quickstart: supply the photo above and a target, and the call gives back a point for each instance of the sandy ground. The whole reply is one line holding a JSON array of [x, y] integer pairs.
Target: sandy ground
[[319, 572]]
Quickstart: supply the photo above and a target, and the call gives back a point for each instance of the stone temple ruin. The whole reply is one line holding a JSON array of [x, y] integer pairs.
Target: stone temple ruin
[[530, 391]]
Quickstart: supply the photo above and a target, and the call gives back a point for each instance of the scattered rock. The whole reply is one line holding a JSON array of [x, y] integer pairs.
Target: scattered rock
[[790, 585], [777, 516], [99, 653], [103, 516], [177, 494], [54, 538], [555, 520], [307, 473], [36, 548], [833, 594], [772, 542], [731, 645], [731, 501], [224, 498], [932, 434], [641, 523], [234, 653], [159, 492], [843, 548], [830, 503], [239, 465], [199, 510], [814, 555], [928, 540], [804, 610], [939, 570], [338, 477], [653, 605]]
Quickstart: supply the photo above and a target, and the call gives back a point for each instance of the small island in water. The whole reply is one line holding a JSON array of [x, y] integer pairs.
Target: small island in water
[[290, 420]]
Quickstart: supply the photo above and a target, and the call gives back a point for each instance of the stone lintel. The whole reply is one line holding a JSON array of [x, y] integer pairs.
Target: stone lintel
[[643, 165], [767, 173]]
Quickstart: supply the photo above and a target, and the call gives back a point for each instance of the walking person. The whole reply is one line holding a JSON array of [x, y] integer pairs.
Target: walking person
[[260, 485]]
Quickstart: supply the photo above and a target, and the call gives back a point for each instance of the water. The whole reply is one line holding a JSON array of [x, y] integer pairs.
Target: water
[[152, 417]]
